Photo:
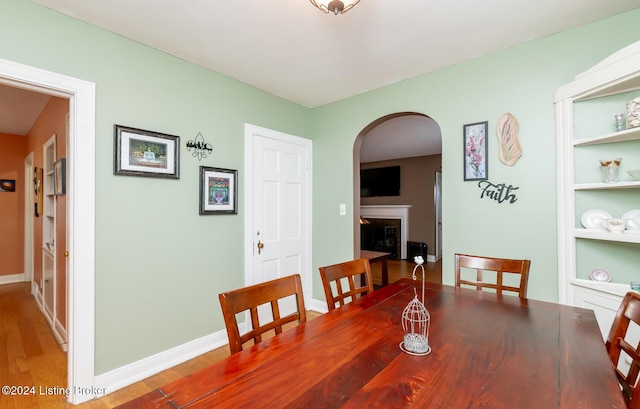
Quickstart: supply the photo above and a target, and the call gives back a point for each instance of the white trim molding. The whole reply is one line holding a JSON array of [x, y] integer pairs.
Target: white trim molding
[[136, 371], [391, 212], [80, 213], [12, 278]]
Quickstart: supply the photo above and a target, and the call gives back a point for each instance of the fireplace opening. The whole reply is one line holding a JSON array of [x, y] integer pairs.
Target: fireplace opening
[[381, 235]]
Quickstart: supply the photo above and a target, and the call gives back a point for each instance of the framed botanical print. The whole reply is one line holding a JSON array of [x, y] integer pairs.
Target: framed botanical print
[[475, 151]]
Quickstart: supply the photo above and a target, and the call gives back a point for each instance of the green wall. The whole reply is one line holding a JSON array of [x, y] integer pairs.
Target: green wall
[[160, 266], [521, 80]]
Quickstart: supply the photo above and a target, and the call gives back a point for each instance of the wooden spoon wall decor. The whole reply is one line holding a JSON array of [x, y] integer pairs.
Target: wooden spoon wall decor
[[509, 145]]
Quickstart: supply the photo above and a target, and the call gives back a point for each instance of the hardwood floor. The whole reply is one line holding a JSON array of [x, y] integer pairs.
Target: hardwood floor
[[403, 269], [30, 356]]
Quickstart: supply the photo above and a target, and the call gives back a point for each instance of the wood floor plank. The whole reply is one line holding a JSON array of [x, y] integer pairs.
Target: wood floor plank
[[30, 340], [48, 371], [17, 362]]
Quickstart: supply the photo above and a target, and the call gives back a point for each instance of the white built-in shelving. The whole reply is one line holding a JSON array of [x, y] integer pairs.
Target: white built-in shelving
[[48, 283], [586, 131]]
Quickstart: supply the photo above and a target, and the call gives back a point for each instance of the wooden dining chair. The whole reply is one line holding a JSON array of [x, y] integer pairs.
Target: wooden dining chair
[[250, 298], [500, 266], [335, 276], [620, 349]]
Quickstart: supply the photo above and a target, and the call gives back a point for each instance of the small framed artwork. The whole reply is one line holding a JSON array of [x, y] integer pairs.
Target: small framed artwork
[[7, 185], [60, 177], [475, 151], [146, 153], [218, 191]]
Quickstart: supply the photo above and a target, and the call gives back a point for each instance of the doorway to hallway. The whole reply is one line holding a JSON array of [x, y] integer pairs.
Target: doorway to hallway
[[80, 212]]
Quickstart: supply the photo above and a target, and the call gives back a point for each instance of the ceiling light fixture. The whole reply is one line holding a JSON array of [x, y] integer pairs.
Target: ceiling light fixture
[[334, 6]]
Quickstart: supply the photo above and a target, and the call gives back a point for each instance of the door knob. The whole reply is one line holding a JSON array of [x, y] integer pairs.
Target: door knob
[[66, 253], [260, 246]]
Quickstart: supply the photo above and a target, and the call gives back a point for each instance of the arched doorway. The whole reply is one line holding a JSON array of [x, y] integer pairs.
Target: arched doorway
[[413, 142]]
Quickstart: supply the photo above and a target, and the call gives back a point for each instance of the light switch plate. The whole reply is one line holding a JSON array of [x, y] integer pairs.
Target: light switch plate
[[343, 209]]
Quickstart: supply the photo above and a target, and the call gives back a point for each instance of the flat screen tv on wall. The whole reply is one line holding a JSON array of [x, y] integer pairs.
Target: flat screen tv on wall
[[380, 182]]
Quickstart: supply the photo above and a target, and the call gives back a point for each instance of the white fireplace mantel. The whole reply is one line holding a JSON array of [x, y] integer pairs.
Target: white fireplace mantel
[[391, 212]]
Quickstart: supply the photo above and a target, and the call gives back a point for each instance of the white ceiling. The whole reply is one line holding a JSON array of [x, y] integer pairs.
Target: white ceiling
[[291, 49]]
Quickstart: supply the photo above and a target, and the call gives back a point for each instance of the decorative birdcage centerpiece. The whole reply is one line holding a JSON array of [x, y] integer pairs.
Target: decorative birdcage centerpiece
[[416, 320]]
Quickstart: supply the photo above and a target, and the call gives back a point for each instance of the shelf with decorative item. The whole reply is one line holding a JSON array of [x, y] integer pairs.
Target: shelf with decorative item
[[626, 135], [597, 234], [610, 288], [598, 141], [634, 184]]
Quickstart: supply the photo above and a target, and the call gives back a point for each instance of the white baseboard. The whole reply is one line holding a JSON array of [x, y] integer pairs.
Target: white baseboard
[[12, 278], [144, 368], [129, 374], [318, 306], [60, 333], [37, 294]]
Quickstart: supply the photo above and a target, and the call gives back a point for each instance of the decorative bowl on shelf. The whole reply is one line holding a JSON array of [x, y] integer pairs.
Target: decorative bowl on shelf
[[634, 173], [615, 225], [600, 275]]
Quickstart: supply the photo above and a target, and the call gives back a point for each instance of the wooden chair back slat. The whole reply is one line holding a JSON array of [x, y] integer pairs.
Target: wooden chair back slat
[[349, 271], [250, 298], [500, 266], [628, 312]]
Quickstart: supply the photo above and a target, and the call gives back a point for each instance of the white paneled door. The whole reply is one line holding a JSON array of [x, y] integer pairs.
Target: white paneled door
[[278, 186]]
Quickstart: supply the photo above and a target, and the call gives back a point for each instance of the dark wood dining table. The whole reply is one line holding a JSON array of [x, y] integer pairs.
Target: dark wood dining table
[[486, 352]]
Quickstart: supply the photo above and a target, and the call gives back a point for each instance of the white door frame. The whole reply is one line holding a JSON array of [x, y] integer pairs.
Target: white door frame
[[249, 132], [437, 196], [80, 214], [27, 269]]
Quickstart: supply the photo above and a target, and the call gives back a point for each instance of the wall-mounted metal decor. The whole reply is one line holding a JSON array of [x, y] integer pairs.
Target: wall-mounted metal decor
[[500, 192], [475, 151], [201, 149], [146, 153], [37, 190]]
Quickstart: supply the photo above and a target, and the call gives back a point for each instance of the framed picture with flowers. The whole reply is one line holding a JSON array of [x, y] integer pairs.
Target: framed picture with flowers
[[475, 151]]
